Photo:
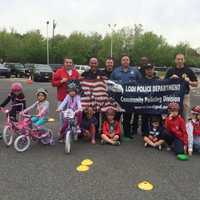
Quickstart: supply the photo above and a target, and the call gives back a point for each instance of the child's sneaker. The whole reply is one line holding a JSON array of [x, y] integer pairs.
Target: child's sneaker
[[145, 145], [117, 143], [160, 148], [168, 148], [103, 142], [93, 141], [61, 140]]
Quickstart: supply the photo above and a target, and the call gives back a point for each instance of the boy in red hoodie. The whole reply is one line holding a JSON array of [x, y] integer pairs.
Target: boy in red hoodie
[[111, 129], [176, 129]]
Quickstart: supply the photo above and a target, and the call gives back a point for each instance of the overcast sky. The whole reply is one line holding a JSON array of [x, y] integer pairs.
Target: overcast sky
[[176, 20]]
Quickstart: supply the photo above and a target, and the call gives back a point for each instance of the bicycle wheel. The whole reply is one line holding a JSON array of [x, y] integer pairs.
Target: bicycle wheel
[[22, 143], [68, 142], [8, 136], [48, 139]]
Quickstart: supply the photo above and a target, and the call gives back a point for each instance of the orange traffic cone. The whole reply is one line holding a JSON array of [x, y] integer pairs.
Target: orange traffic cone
[[29, 81]]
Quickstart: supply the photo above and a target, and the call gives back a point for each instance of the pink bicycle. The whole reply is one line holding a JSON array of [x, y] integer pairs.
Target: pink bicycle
[[32, 132], [11, 128]]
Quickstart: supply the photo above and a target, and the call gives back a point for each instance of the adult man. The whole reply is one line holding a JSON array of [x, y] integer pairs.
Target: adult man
[[109, 67], [62, 75], [143, 62], [185, 73], [93, 73], [126, 74]]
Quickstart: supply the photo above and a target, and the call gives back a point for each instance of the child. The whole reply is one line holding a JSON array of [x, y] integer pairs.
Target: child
[[193, 130], [71, 101], [16, 96], [154, 136], [42, 107], [89, 124], [176, 134], [111, 129]]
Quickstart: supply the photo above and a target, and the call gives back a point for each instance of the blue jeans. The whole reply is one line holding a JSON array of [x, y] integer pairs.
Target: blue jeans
[[171, 139], [196, 146], [39, 121]]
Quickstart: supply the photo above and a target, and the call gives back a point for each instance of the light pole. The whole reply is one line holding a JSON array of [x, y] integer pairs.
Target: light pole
[[54, 26], [47, 42], [112, 27]]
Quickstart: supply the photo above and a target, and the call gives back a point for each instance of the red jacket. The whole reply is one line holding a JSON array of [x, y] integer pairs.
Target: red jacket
[[106, 129], [177, 127], [62, 87]]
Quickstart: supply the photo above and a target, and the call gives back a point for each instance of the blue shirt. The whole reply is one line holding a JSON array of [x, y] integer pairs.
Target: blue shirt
[[121, 76]]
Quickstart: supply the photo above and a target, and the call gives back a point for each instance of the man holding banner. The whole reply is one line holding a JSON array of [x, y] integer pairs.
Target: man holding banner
[[180, 71], [126, 74]]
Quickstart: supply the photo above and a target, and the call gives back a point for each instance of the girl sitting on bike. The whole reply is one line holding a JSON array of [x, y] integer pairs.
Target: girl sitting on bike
[[72, 101], [42, 108], [16, 96]]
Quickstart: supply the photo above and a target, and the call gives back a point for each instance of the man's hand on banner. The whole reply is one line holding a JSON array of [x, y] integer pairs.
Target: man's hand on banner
[[174, 76]]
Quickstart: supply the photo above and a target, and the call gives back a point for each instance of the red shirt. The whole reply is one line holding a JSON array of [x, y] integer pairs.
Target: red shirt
[[177, 127], [62, 87], [106, 128]]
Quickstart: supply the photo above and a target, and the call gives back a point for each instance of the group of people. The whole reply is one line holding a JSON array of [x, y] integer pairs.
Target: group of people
[[178, 130]]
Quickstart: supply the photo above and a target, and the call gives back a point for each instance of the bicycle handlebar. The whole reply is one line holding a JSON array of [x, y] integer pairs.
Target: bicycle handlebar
[[7, 110], [25, 115]]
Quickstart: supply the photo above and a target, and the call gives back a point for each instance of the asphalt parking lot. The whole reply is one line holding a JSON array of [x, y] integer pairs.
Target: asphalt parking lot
[[47, 173]]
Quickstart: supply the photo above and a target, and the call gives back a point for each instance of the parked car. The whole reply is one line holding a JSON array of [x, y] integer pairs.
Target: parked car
[[54, 67], [42, 72], [4, 71], [16, 69], [82, 68]]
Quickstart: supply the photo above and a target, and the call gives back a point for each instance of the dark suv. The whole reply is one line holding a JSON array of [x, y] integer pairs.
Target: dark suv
[[16, 69], [42, 72], [4, 71]]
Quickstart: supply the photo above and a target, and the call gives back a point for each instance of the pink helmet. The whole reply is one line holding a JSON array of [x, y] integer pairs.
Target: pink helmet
[[16, 87]]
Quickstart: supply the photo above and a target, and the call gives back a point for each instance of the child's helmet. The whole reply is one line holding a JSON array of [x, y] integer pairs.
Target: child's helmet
[[195, 110], [43, 91], [72, 87], [173, 106], [16, 87], [110, 111]]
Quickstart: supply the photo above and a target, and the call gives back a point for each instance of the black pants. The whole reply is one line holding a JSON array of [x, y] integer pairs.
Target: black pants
[[135, 123], [14, 111], [171, 139], [127, 124], [144, 125]]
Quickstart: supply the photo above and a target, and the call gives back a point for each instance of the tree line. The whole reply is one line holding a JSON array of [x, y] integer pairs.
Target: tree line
[[134, 41]]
